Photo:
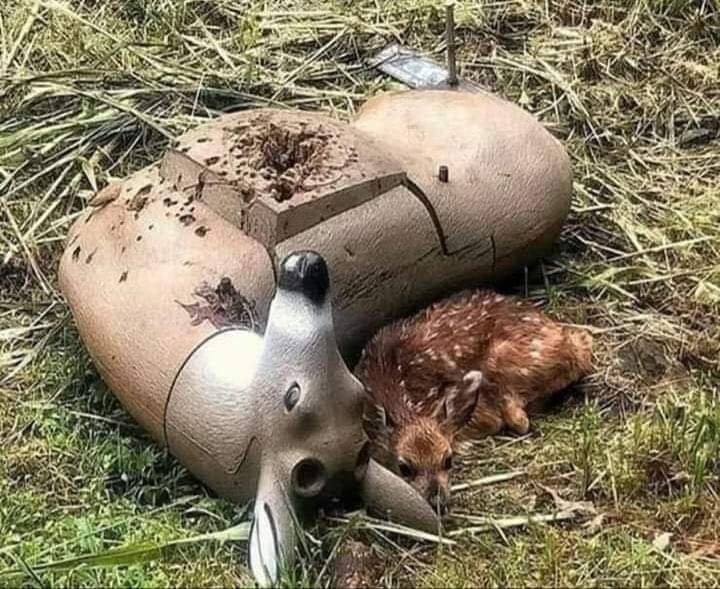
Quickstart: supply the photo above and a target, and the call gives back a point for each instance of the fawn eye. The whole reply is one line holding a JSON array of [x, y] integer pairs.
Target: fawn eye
[[406, 471], [447, 462]]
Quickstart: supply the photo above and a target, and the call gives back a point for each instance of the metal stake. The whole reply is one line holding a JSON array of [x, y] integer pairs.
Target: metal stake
[[452, 78]]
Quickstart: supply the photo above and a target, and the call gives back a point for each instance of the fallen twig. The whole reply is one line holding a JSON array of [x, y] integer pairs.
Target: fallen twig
[[488, 480], [485, 524]]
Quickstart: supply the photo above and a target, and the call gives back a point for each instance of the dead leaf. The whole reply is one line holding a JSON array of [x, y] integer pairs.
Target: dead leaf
[[580, 507], [662, 541], [595, 524], [106, 195]]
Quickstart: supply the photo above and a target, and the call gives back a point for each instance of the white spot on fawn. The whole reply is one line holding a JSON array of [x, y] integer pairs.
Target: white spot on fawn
[[448, 361], [473, 379]]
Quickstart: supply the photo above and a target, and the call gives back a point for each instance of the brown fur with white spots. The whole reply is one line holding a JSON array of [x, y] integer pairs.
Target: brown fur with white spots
[[464, 367]]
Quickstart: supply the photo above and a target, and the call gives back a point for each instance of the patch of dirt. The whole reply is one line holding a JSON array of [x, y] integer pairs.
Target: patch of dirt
[[222, 306], [661, 478], [13, 276], [357, 566], [644, 357]]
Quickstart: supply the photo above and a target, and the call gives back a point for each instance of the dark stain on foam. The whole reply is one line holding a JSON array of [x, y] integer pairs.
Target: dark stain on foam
[[187, 219], [90, 257], [138, 202], [123, 276], [169, 202], [76, 253], [222, 306], [201, 231]]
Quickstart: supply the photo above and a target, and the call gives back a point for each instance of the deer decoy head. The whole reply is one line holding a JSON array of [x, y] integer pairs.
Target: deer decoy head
[[288, 424]]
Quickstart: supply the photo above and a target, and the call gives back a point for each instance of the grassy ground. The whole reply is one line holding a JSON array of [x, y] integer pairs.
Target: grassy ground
[[92, 90]]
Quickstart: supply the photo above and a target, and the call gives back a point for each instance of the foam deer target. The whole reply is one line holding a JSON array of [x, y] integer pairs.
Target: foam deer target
[[236, 360]]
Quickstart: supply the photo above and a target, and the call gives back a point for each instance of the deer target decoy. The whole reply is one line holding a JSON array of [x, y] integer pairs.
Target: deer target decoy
[[222, 291]]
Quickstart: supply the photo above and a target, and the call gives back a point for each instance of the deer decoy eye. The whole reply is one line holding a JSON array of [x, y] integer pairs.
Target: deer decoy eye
[[447, 462], [292, 396]]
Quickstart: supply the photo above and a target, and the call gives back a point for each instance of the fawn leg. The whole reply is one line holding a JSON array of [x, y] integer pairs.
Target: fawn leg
[[514, 414]]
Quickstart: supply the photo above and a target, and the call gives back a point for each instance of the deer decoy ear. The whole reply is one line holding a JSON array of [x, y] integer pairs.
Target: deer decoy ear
[[387, 495], [273, 535]]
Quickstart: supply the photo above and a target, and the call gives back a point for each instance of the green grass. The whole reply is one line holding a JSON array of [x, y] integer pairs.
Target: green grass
[[90, 91]]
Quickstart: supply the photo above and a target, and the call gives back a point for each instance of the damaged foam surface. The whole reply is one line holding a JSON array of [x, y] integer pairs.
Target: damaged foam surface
[[277, 173], [276, 154]]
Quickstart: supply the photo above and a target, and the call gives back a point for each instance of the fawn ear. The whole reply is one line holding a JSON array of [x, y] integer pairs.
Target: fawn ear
[[460, 401]]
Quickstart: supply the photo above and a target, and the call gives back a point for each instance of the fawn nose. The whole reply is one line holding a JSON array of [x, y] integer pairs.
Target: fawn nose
[[438, 498]]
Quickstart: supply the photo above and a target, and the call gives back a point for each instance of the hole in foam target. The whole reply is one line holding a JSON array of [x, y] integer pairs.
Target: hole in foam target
[[289, 159]]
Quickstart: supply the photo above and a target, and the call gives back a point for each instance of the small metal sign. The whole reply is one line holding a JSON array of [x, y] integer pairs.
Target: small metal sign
[[418, 71]]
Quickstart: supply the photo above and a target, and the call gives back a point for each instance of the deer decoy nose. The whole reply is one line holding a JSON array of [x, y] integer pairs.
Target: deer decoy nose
[[305, 272]]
